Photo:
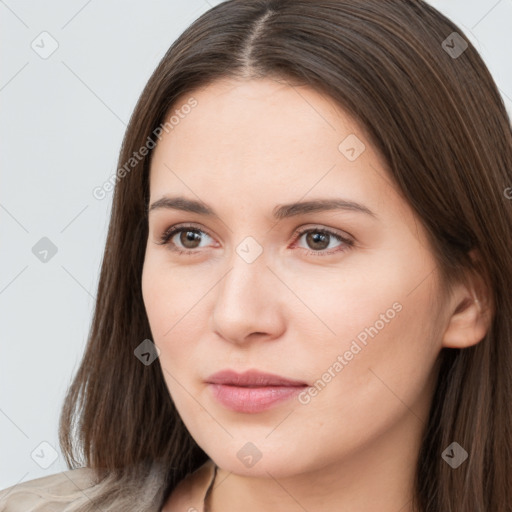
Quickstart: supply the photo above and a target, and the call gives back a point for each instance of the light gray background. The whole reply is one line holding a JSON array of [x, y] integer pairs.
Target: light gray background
[[62, 123]]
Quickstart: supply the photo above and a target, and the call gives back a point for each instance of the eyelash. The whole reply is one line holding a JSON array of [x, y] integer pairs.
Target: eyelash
[[169, 233]]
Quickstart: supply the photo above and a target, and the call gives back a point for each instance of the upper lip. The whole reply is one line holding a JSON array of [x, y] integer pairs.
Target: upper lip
[[251, 378]]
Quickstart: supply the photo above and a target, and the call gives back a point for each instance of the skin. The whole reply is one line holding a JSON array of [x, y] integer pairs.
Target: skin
[[246, 147]]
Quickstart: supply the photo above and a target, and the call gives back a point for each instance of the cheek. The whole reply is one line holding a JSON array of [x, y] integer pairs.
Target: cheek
[[330, 307], [371, 337], [170, 295], [168, 302], [362, 389], [175, 303], [378, 374]]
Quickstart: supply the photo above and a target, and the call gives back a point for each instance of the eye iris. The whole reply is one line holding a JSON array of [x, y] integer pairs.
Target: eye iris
[[316, 237], [187, 237]]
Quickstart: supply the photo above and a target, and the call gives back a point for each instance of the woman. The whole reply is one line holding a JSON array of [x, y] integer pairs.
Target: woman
[[304, 301]]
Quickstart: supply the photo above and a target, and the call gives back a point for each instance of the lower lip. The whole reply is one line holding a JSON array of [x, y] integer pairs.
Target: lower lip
[[251, 400]]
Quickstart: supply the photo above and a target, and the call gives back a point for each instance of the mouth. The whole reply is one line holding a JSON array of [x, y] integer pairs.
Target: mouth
[[252, 391]]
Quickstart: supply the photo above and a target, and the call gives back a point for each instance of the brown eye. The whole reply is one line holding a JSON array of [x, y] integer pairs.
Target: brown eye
[[188, 241], [319, 239], [189, 238]]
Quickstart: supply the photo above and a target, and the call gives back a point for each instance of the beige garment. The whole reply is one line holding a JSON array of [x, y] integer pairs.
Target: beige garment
[[49, 493], [72, 490], [190, 493]]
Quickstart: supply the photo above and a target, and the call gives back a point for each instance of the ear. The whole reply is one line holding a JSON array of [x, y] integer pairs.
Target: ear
[[472, 309]]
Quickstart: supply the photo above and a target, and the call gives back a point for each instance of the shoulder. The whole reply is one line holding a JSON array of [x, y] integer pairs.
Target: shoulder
[[190, 492], [52, 492]]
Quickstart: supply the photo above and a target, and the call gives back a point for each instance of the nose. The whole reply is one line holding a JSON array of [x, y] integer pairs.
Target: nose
[[248, 304]]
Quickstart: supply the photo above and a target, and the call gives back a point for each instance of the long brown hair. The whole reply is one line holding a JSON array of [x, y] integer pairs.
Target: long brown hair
[[439, 122]]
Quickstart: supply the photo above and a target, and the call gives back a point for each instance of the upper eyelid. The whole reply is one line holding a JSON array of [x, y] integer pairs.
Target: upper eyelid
[[178, 227]]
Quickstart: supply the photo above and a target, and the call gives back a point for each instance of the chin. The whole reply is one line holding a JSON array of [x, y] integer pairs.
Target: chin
[[246, 458]]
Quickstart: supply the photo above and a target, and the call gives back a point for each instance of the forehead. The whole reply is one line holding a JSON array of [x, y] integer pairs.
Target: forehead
[[258, 140], [262, 119]]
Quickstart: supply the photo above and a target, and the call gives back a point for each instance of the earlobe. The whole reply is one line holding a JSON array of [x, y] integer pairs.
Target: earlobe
[[472, 316], [467, 326]]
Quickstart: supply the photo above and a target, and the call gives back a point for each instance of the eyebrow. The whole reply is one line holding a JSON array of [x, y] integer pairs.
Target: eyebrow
[[279, 212]]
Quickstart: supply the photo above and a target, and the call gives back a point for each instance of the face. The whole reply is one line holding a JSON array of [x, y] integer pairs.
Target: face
[[339, 298]]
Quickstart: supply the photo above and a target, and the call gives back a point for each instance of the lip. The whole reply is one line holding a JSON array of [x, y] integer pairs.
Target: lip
[[251, 378], [252, 391]]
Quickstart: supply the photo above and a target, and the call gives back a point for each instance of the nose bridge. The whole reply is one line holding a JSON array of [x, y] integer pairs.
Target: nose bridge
[[245, 300], [245, 282]]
